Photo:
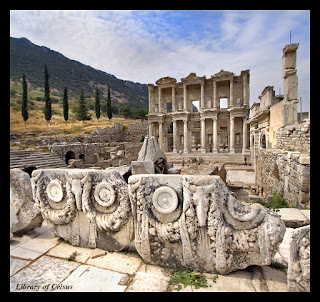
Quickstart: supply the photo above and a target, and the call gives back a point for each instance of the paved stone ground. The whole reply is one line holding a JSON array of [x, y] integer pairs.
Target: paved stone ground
[[39, 262]]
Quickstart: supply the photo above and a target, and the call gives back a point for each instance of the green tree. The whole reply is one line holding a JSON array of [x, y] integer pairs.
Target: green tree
[[82, 110], [109, 109], [140, 113], [47, 100], [97, 105], [24, 109], [125, 111], [65, 105]]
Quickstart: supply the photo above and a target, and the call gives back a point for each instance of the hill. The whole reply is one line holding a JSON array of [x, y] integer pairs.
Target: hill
[[28, 58]]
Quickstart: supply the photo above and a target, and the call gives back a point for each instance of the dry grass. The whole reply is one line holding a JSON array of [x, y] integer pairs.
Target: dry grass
[[57, 126]]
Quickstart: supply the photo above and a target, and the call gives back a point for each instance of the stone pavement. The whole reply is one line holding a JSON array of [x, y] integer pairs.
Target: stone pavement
[[41, 262]]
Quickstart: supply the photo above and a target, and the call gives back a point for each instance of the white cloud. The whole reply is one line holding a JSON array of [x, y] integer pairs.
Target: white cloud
[[144, 46]]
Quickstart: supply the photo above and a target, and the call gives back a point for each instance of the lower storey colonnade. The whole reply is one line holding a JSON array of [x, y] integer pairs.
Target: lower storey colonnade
[[228, 134]]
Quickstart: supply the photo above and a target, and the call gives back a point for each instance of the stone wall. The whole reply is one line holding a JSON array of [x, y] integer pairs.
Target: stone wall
[[285, 171], [294, 137], [136, 131], [109, 134]]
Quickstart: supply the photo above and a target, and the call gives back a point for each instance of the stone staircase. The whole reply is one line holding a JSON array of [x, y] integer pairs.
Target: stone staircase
[[27, 158]]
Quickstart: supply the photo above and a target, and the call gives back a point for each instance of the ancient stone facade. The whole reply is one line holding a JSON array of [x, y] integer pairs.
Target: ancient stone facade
[[220, 124], [195, 221]]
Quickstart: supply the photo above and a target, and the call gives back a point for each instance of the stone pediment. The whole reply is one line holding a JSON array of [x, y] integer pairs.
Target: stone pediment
[[192, 76], [166, 80], [223, 74]]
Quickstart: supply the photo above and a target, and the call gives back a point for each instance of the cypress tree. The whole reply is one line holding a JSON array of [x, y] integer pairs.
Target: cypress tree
[[47, 100], [65, 105], [109, 109], [82, 112], [24, 109], [97, 105]]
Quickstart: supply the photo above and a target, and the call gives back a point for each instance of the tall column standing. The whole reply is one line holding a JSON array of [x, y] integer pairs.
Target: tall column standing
[[159, 93], [175, 135], [232, 134], [231, 92], [214, 93], [161, 135], [215, 135], [203, 135], [185, 105], [244, 135], [202, 97], [185, 134], [173, 99], [245, 90]]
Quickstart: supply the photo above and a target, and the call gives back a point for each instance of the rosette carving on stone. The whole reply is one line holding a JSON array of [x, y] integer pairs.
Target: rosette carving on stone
[[53, 197], [195, 221], [86, 207]]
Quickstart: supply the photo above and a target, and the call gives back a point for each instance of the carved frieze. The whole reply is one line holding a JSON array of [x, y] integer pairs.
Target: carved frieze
[[86, 207], [195, 221]]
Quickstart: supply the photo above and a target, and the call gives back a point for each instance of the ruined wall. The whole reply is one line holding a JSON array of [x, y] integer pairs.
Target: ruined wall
[[294, 137], [109, 134], [136, 131], [284, 171]]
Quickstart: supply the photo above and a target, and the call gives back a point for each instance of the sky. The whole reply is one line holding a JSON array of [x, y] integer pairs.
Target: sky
[[146, 45]]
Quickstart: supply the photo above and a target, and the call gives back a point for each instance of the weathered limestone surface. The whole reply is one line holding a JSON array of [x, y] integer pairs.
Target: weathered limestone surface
[[87, 207], [151, 158], [24, 216], [299, 261], [195, 221]]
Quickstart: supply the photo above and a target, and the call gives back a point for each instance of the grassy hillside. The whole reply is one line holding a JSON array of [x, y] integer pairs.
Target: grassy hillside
[[28, 58], [37, 123]]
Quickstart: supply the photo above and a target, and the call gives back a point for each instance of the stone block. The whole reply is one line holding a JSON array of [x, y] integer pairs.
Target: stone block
[[24, 216], [195, 221], [298, 276], [142, 167], [304, 160], [86, 207], [293, 218]]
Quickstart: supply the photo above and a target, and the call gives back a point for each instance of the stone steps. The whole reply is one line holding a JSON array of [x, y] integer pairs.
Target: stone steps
[[25, 158]]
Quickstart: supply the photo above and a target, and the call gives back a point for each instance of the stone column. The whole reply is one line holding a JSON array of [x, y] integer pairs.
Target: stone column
[[185, 104], [244, 136], [245, 90], [159, 94], [215, 135], [214, 93], [175, 136], [185, 139], [203, 135], [232, 134], [150, 129], [161, 135], [174, 99], [150, 91], [231, 92], [202, 105]]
